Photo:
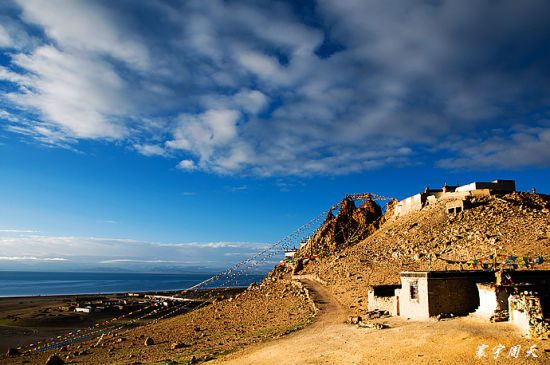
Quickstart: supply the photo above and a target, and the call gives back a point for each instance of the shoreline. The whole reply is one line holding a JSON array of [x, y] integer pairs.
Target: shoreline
[[22, 284], [146, 292], [92, 294], [26, 319]]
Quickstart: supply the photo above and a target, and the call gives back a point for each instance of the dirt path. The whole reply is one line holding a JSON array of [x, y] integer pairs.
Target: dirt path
[[330, 341], [330, 318]]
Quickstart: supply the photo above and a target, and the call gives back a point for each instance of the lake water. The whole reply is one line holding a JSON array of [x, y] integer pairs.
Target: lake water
[[24, 283]]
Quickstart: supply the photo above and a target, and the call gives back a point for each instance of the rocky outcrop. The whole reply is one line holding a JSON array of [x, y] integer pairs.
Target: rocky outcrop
[[349, 226]]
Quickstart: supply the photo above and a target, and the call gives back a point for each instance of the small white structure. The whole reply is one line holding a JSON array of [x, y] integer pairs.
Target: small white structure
[[505, 186], [492, 298], [290, 254], [83, 309]]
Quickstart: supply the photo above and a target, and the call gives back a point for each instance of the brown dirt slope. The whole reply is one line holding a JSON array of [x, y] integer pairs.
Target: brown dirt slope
[[205, 333], [513, 224]]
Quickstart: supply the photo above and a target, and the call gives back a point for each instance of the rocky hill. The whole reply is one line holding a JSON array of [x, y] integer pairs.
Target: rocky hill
[[349, 226], [516, 224]]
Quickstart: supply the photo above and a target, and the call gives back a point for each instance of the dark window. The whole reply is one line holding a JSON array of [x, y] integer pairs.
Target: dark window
[[458, 209], [414, 290]]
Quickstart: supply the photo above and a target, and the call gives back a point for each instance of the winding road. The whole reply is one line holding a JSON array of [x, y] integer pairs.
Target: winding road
[[302, 346]]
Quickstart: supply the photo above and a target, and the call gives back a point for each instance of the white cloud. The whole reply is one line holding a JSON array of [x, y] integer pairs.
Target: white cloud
[[210, 136], [527, 147], [13, 35], [5, 39], [31, 258], [251, 100], [150, 150], [18, 231], [93, 250], [237, 87], [85, 26], [78, 95], [260, 64], [237, 188], [109, 221], [186, 165], [131, 261]]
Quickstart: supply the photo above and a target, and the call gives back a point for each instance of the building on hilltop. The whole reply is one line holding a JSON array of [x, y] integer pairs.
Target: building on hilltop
[[504, 186], [457, 197]]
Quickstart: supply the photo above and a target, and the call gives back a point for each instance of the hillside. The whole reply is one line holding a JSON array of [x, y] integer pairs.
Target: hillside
[[514, 224], [357, 247]]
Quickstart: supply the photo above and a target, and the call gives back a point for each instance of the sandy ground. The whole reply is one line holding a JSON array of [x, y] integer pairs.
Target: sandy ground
[[330, 341]]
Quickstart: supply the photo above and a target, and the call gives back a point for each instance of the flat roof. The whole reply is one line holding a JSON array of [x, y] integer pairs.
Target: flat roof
[[448, 274]]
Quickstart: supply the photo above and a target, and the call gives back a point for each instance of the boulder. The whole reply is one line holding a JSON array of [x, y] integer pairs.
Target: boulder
[[13, 352], [178, 345], [54, 360]]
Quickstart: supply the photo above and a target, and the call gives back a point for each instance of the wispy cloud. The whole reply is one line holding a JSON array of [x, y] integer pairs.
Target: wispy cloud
[[133, 261], [18, 231], [31, 258], [109, 221], [151, 150], [528, 146], [94, 250], [237, 188], [243, 88]]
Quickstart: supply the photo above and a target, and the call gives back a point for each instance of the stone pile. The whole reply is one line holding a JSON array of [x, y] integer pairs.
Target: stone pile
[[531, 306]]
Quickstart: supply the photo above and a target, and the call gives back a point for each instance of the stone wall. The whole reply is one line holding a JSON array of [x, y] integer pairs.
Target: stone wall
[[475, 189], [418, 201], [526, 313], [383, 297], [458, 296], [412, 203], [497, 185], [428, 293]]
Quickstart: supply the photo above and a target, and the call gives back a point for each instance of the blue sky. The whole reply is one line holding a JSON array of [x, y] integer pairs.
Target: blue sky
[[161, 135]]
